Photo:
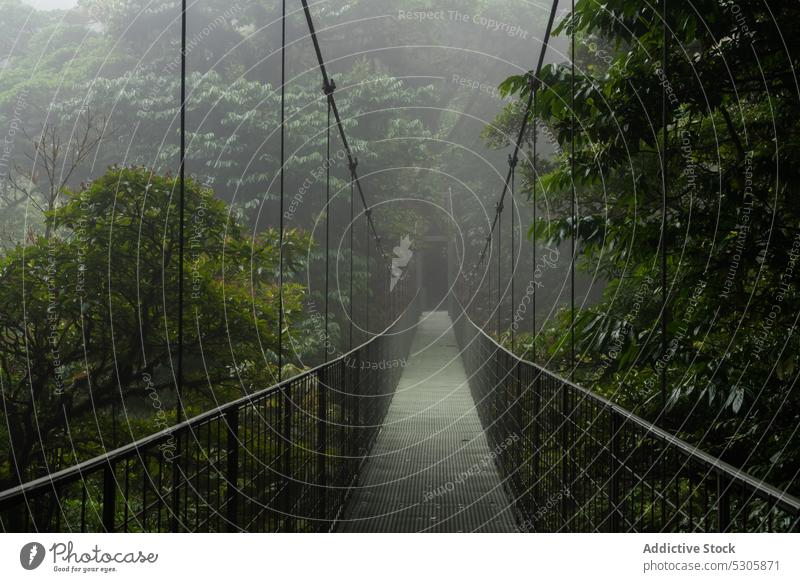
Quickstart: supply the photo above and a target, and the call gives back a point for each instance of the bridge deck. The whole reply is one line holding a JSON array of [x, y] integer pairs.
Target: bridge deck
[[431, 468]]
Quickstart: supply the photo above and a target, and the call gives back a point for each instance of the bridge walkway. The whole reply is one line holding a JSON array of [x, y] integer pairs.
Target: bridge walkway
[[431, 469]]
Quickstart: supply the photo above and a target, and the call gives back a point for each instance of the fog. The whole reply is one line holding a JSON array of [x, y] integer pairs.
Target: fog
[[417, 87]]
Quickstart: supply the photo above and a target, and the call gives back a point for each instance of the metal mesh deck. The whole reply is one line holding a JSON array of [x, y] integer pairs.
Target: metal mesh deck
[[431, 469]]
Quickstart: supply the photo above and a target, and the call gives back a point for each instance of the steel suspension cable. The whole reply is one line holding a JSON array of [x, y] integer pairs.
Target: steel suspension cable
[[499, 268], [351, 159], [366, 288], [384, 302], [280, 214], [533, 237], [352, 228], [286, 400], [182, 217], [176, 472], [513, 164], [566, 467], [534, 85], [328, 89], [664, 160], [573, 217], [322, 410]]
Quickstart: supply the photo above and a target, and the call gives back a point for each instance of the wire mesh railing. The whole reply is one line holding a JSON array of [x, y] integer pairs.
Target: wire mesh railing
[[282, 459], [573, 461]]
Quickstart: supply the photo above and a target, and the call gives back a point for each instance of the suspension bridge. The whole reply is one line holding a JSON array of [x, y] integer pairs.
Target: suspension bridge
[[428, 426]]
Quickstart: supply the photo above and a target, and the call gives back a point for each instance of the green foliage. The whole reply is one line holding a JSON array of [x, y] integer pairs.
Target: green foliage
[[732, 216], [89, 316]]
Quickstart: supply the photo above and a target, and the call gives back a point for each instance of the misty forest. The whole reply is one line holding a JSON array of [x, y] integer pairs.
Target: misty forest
[[668, 290]]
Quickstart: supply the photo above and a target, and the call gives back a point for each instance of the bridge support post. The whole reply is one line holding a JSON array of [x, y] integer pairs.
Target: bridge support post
[[520, 440], [286, 464], [232, 469], [175, 521], [564, 437], [536, 419], [322, 444], [723, 503], [614, 467], [109, 497], [357, 395]]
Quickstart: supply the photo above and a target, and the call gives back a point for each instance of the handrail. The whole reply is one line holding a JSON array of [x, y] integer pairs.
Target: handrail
[[791, 503], [730, 474], [195, 421], [231, 449], [53, 479]]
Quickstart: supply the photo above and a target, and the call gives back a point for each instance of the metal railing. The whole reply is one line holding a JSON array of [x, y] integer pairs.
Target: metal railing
[[573, 461], [282, 459]]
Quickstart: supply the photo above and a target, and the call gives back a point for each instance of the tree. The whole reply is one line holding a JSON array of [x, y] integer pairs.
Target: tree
[[89, 316], [53, 163]]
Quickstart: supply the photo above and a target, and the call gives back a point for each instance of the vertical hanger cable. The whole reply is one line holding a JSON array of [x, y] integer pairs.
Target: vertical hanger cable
[[328, 88], [533, 238], [287, 404], [175, 521], [182, 217], [366, 287], [573, 217], [513, 164], [664, 160], [499, 268], [280, 217], [352, 228]]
